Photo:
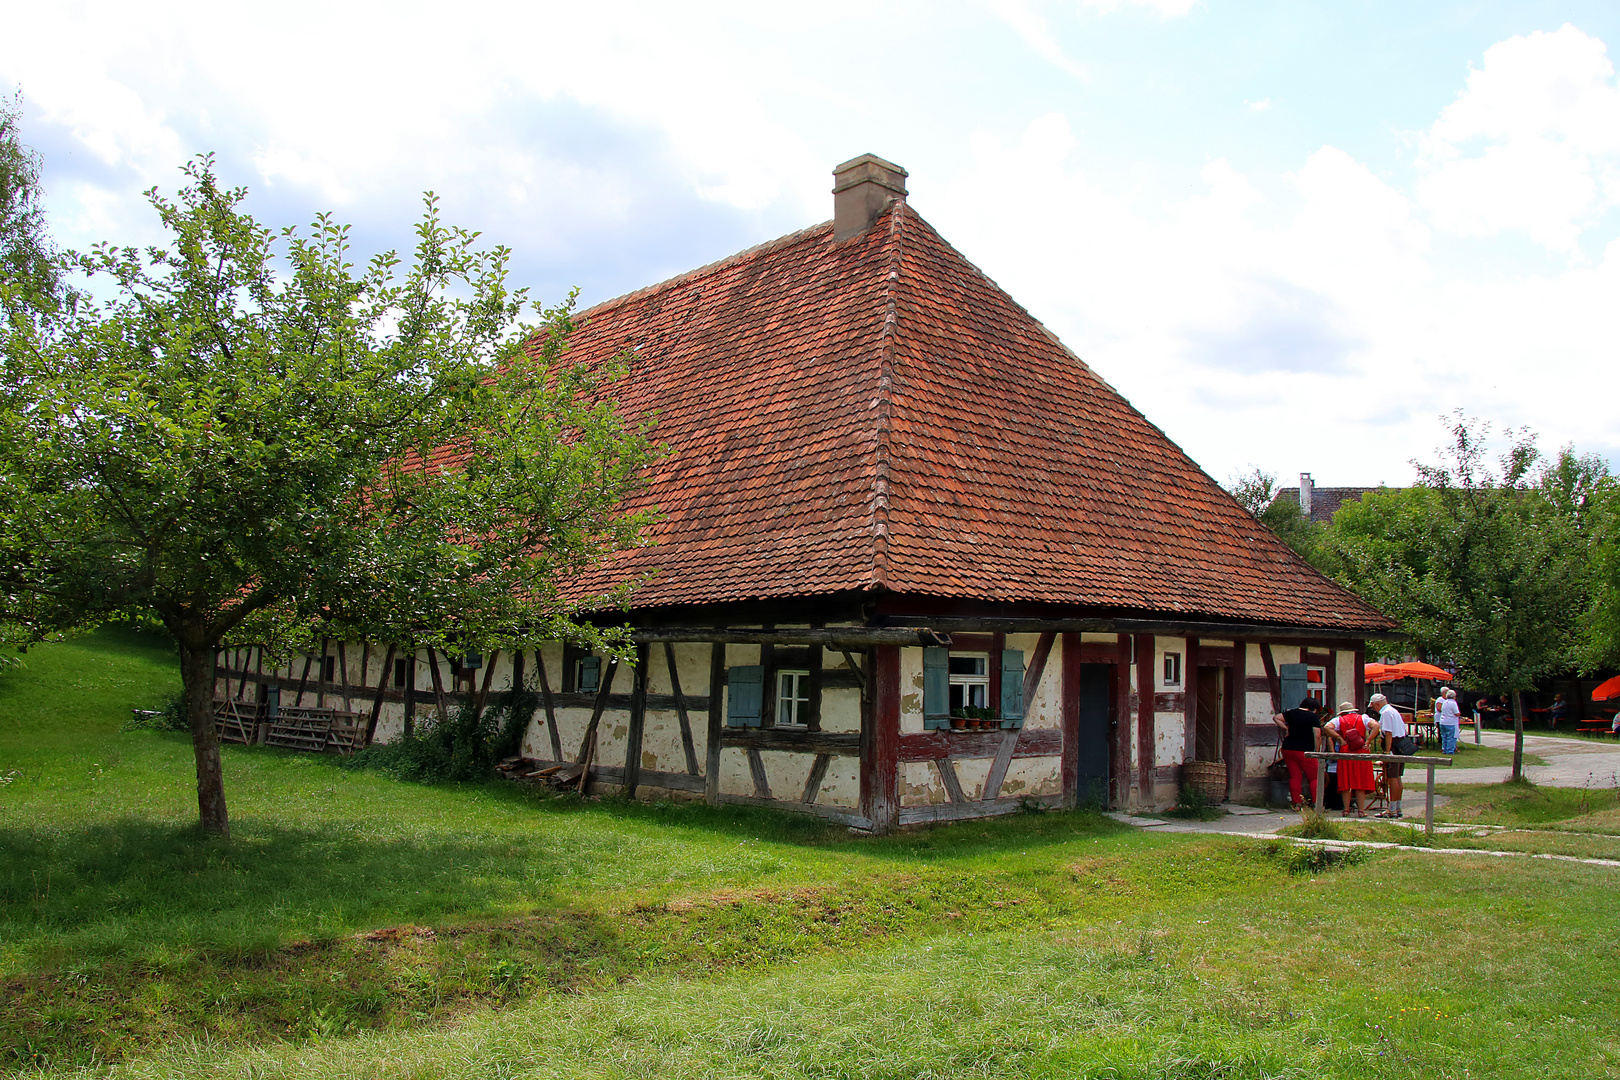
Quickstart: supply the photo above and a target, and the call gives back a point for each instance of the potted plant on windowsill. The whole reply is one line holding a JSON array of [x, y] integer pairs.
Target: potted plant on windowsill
[[981, 718], [959, 720]]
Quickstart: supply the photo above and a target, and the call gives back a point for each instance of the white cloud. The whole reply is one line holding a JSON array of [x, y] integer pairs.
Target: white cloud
[[1305, 329], [1036, 34], [1531, 145], [1166, 8]]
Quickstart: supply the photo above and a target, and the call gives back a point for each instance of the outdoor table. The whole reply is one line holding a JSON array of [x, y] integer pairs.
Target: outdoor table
[[1428, 762]]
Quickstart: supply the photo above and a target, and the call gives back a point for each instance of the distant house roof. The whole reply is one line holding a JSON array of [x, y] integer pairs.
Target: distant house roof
[[1325, 501], [875, 416]]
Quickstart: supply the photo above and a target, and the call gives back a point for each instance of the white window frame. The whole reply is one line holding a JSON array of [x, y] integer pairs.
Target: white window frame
[[968, 682], [1172, 669], [1316, 689], [792, 700]]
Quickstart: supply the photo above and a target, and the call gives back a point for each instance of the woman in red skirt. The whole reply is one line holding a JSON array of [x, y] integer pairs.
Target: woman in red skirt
[[1353, 733]]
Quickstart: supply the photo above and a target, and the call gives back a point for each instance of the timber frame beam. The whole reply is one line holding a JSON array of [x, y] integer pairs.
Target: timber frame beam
[[1215, 630]]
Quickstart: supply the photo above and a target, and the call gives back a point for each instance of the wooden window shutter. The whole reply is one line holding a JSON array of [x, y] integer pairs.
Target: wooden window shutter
[[1012, 688], [936, 687], [1294, 686], [745, 695], [590, 674]]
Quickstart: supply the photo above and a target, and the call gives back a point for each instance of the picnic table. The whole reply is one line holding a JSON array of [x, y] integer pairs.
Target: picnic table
[[1429, 762]]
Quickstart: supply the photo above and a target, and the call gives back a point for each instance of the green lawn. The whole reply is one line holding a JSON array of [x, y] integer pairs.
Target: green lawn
[[355, 926]]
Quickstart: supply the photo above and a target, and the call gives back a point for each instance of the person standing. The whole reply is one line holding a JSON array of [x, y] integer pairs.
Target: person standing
[[1353, 733], [1448, 719], [1302, 733], [1397, 740]]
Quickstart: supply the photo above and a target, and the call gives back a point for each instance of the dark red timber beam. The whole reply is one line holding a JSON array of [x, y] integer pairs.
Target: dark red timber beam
[[880, 761], [1070, 767], [1145, 653]]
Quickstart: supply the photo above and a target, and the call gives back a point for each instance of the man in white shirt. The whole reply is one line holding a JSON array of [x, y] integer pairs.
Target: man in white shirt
[[1396, 741]]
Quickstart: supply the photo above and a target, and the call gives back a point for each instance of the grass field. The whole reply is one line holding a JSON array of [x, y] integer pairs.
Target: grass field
[[359, 927]]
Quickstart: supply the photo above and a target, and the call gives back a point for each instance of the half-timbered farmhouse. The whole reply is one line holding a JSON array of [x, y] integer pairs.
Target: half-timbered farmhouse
[[916, 561]]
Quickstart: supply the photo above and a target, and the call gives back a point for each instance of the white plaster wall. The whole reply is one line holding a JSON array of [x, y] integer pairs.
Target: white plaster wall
[[1344, 680], [911, 691], [1169, 738], [1033, 776], [842, 784], [1045, 709], [972, 775], [920, 784], [786, 772], [841, 710]]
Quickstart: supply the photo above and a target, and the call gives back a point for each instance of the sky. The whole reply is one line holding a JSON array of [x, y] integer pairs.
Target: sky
[[1296, 235]]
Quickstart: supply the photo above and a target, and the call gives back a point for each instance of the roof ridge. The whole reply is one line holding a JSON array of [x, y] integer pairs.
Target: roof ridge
[[880, 482], [706, 268]]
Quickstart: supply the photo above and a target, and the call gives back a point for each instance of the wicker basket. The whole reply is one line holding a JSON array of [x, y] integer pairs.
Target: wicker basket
[[1208, 778]]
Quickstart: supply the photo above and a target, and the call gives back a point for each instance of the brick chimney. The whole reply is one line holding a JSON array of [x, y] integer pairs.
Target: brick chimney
[[1306, 489], [863, 188]]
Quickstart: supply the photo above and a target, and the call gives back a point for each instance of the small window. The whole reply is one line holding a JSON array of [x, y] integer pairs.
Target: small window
[[1316, 684], [970, 682], [587, 674], [400, 672], [792, 698], [329, 669], [1172, 669]]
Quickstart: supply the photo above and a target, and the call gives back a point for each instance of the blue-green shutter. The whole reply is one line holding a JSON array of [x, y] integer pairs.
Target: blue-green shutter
[[1012, 688], [1294, 686], [936, 688], [745, 695], [590, 674]]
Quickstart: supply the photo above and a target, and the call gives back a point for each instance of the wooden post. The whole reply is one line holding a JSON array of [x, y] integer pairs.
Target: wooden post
[[489, 676], [550, 705], [438, 685], [1119, 726], [382, 687], [880, 743], [1009, 738], [638, 722], [596, 711], [1145, 655], [680, 711], [410, 694], [1428, 804], [711, 751], [1189, 700], [343, 671], [1070, 762]]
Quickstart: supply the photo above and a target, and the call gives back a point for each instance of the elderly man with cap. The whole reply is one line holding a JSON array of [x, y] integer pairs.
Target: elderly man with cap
[[1397, 741]]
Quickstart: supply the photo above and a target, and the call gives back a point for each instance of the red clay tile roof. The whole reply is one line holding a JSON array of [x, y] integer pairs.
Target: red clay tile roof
[[877, 415]]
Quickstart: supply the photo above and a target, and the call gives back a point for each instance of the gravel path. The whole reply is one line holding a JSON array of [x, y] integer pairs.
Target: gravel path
[[1570, 762]]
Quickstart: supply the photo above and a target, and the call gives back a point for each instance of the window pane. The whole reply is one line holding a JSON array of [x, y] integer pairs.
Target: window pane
[[970, 665]]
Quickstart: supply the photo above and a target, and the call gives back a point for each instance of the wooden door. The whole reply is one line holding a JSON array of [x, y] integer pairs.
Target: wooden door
[[1207, 741], [1096, 699]]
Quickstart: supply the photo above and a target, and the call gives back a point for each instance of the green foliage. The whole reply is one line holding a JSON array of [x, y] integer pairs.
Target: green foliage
[[466, 745], [1194, 804], [253, 440], [1485, 569], [1315, 826], [171, 717], [1313, 858], [1256, 491], [29, 277]]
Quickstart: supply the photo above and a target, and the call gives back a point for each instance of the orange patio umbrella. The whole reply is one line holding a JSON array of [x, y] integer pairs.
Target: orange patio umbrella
[[1378, 673], [1416, 669], [1609, 688]]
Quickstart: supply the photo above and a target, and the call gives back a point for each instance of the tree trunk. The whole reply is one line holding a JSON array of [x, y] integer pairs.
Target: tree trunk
[[197, 679], [1518, 735]]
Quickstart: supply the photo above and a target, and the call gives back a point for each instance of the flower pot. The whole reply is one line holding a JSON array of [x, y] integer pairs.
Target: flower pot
[[958, 723]]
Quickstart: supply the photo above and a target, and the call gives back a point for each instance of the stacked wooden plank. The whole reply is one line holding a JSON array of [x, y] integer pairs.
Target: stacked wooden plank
[[236, 720]]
